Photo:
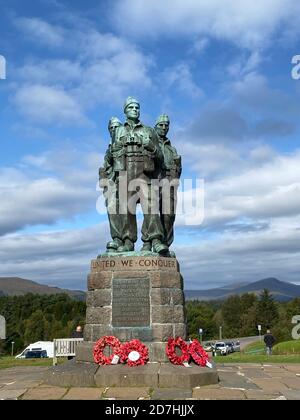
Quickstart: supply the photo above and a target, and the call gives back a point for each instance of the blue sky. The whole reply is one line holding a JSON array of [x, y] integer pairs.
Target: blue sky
[[221, 69]]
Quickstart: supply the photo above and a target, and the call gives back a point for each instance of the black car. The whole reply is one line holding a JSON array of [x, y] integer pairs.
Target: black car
[[36, 354]]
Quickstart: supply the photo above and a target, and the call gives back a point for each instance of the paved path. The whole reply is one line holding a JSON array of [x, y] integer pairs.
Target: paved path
[[237, 382]]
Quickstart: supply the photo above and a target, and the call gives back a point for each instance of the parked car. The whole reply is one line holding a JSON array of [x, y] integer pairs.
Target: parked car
[[230, 346], [35, 354], [221, 348], [237, 346], [208, 346]]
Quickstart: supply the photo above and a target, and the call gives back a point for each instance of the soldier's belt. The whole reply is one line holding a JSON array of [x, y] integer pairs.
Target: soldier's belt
[[135, 158]]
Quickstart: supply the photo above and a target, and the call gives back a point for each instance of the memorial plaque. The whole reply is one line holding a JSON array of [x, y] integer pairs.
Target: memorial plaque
[[131, 302]]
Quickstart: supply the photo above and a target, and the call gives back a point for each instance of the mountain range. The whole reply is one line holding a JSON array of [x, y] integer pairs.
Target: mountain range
[[16, 286], [281, 291]]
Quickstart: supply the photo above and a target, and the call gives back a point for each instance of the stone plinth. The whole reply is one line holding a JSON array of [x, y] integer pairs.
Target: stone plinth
[[135, 297], [153, 375]]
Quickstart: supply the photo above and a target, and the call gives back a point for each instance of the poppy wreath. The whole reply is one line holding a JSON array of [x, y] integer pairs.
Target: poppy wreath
[[171, 347], [99, 347], [198, 354], [134, 346]]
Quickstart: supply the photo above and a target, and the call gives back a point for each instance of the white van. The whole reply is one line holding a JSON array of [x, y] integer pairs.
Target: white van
[[48, 346]]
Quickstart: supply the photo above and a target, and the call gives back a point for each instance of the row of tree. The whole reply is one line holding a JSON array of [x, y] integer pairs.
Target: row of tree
[[32, 318], [239, 316]]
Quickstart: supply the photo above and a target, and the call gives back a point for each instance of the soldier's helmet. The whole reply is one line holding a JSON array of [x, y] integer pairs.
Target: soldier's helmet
[[114, 120], [163, 118], [130, 100]]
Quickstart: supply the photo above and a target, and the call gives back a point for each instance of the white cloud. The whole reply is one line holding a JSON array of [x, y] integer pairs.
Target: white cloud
[[210, 160], [59, 259], [200, 45], [62, 258], [243, 256], [256, 191], [48, 104], [54, 71], [41, 31], [48, 188], [245, 23], [180, 77], [254, 91], [97, 68]]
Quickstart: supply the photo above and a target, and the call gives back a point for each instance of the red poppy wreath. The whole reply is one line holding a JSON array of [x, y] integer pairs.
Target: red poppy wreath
[[198, 354], [171, 351], [135, 353], [99, 347]]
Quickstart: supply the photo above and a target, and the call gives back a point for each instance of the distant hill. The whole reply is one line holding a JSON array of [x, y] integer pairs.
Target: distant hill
[[282, 291], [16, 286]]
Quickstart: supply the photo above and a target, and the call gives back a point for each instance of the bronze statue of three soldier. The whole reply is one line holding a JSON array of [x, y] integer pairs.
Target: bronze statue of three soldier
[[140, 166]]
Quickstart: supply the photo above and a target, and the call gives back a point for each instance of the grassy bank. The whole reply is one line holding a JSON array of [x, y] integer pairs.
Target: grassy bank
[[287, 347], [257, 358], [285, 352], [9, 362]]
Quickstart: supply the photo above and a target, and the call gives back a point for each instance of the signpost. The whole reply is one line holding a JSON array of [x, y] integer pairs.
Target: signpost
[[200, 333], [259, 331], [2, 328]]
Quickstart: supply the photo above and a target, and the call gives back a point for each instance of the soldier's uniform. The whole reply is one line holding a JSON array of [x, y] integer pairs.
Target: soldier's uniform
[[136, 150], [171, 172], [107, 174]]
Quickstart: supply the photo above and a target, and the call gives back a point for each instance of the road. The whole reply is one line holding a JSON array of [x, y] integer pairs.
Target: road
[[244, 341]]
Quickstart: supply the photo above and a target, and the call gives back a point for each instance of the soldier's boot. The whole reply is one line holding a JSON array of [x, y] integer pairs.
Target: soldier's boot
[[128, 246], [112, 246], [147, 246], [159, 247]]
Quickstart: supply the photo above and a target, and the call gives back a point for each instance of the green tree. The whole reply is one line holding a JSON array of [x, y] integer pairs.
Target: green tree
[[34, 327], [200, 315], [267, 310], [232, 311]]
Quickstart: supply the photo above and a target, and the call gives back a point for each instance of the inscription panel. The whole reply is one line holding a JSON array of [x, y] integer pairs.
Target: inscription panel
[[134, 264], [131, 302]]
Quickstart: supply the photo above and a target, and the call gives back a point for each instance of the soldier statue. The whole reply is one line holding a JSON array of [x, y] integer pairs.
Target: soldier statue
[[170, 174], [135, 152], [107, 174]]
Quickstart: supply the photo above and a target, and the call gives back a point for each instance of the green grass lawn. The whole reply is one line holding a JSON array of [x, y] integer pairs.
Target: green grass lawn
[[287, 347], [286, 352], [9, 361], [257, 358], [256, 347]]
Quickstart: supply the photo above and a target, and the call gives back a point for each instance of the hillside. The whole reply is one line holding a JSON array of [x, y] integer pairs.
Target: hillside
[[16, 286], [282, 291]]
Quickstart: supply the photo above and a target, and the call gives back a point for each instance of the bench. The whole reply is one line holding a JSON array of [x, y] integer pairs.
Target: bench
[[65, 347]]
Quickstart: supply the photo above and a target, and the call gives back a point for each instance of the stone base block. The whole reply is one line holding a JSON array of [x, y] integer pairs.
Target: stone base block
[[153, 375], [171, 376], [125, 376], [157, 353], [72, 374]]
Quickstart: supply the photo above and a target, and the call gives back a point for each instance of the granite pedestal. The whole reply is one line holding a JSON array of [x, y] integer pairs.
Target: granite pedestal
[[132, 296], [135, 297]]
